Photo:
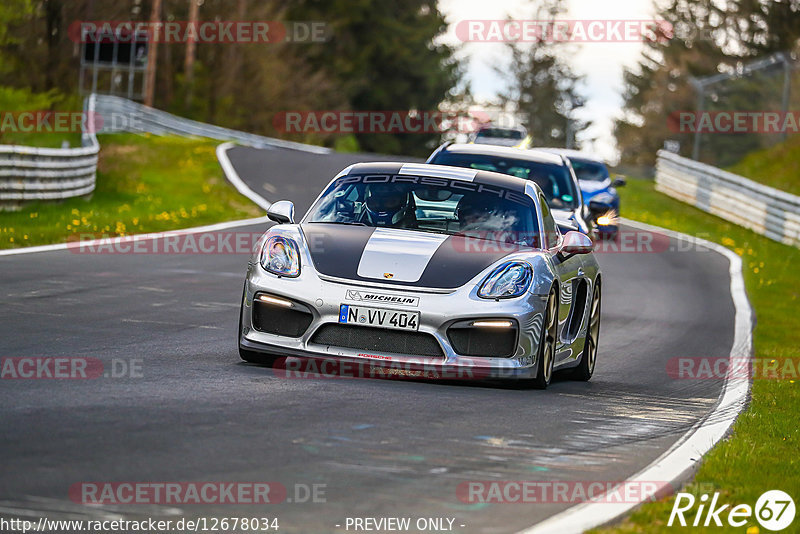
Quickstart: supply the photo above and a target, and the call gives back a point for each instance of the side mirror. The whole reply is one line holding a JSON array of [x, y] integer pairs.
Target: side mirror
[[282, 212], [576, 243], [598, 207], [619, 181]]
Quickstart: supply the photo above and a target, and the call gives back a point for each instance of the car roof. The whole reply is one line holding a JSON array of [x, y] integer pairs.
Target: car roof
[[509, 128], [570, 153], [505, 181], [536, 155]]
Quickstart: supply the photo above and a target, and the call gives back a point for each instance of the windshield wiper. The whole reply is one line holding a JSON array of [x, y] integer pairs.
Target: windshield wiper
[[431, 231], [350, 223]]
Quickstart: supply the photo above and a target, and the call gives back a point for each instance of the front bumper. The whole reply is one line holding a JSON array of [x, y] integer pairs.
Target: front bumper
[[439, 312], [606, 230]]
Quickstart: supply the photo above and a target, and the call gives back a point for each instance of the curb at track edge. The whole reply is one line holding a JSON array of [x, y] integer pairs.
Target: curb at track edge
[[680, 461]]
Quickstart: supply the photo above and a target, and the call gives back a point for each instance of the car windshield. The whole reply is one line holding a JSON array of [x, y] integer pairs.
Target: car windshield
[[591, 171], [555, 180], [500, 133], [427, 204]]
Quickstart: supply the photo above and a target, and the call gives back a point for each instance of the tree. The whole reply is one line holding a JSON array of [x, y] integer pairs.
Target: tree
[[542, 87], [660, 84], [384, 56], [12, 14], [709, 37], [763, 27], [544, 91], [380, 56]]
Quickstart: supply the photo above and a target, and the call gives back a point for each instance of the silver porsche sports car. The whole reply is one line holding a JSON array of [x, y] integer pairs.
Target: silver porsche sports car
[[425, 266]]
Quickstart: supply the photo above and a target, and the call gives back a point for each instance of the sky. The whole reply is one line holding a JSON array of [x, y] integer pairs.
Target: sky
[[602, 64]]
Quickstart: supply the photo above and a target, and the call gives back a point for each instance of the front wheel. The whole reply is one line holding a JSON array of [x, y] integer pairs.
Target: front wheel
[[585, 369], [547, 344]]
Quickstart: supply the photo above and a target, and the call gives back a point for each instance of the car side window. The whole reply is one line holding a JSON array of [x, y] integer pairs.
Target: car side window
[[551, 233]]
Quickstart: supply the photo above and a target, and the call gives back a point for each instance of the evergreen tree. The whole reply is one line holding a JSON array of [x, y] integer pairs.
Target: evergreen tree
[[384, 56], [542, 87]]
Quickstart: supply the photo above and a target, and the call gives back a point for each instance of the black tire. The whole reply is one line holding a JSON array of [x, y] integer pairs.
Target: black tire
[[585, 368], [547, 344], [251, 356]]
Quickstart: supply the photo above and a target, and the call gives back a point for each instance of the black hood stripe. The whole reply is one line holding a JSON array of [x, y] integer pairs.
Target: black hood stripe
[[337, 249]]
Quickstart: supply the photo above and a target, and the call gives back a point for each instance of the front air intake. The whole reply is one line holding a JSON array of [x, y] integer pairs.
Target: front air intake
[[482, 341], [381, 340], [280, 317]]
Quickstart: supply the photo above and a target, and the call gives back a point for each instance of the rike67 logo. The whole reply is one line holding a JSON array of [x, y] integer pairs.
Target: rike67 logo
[[774, 510]]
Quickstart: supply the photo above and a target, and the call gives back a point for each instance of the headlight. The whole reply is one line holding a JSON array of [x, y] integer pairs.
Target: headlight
[[511, 279], [279, 256], [607, 219]]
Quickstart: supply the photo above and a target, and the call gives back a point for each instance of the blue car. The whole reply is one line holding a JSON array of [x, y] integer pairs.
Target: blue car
[[597, 189]]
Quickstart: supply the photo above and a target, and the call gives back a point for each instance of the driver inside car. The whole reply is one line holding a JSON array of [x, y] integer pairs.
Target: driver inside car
[[389, 205]]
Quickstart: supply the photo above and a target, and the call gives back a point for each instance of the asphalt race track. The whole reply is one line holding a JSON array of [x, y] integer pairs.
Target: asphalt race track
[[382, 447]]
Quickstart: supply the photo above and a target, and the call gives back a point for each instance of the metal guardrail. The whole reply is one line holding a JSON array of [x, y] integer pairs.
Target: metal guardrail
[[123, 115], [28, 173], [765, 210]]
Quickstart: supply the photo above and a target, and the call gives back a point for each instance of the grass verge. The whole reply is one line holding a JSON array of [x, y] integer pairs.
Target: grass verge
[[763, 451], [777, 166], [144, 184]]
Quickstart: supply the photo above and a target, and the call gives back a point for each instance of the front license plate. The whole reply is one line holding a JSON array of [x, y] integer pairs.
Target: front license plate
[[398, 320]]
